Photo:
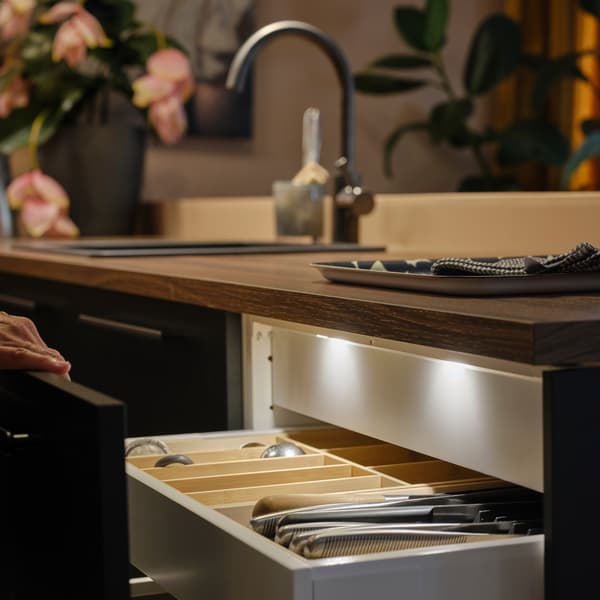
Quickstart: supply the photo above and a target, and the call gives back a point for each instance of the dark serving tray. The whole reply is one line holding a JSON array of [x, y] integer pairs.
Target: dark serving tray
[[415, 275]]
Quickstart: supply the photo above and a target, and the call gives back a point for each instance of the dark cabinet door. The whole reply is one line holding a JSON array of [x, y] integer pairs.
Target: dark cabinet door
[[176, 366], [63, 510]]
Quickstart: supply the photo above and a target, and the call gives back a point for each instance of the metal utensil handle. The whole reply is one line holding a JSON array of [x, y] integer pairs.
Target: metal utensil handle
[[10, 440], [311, 136]]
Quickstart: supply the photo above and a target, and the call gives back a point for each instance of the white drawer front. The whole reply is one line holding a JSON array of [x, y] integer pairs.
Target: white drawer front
[[194, 551], [486, 420]]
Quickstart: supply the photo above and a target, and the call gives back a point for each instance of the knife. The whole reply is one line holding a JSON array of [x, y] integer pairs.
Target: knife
[[283, 502], [459, 513], [286, 533], [265, 523], [352, 541]]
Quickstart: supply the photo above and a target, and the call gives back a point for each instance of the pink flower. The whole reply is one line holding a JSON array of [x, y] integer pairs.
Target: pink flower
[[43, 203], [35, 184], [168, 84], [14, 95], [79, 31], [148, 89], [63, 227], [69, 45], [168, 118], [91, 30], [173, 65], [60, 11], [15, 16]]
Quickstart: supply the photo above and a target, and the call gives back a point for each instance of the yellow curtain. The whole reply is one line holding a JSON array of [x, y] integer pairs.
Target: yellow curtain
[[585, 101], [552, 28]]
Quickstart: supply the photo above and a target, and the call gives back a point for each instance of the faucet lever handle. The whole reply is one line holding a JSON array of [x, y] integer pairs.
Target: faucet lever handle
[[356, 199]]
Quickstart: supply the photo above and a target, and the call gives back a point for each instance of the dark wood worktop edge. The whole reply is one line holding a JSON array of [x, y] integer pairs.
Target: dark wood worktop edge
[[508, 340]]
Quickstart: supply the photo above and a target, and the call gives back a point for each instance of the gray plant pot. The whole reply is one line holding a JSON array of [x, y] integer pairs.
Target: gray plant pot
[[101, 168]]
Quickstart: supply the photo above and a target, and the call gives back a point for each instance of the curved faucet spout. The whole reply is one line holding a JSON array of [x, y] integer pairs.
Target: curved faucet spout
[[350, 199], [241, 64]]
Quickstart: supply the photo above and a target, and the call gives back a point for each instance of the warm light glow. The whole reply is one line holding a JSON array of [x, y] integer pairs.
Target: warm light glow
[[334, 341], [337, 365], [453, 392], [451, 371]]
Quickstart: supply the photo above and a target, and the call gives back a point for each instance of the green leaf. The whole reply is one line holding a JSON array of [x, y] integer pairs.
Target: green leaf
[[590, 125], [18, 138], [461, 138], [16, 131], [410, 23], [491, 183], [494, 54], [401, 61], [173, 43], [587, 150], [448, 119], [436, 17], [140, 47], [532, 140], [392, 140], [382, 84], [38, 46], [551, 72], [490, 134], [70, 99], [115, 15], [591, 6]]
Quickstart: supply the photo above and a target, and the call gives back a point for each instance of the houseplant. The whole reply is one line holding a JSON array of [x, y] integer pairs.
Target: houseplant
[[70, 63], [493, 55]]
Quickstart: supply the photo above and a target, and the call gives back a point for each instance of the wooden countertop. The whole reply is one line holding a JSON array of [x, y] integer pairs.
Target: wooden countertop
[[543, 329]]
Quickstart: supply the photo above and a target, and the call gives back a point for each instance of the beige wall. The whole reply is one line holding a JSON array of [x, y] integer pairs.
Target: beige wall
[[290, 75]]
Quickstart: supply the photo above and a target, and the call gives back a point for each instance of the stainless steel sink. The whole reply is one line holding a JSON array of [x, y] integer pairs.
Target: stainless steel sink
[[123, 248]]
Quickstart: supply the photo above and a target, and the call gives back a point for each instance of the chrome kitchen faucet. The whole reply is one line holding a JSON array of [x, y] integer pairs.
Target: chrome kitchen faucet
[[350, 199]]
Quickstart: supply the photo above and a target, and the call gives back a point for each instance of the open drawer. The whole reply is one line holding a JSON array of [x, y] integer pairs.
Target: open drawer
[[189, 524]]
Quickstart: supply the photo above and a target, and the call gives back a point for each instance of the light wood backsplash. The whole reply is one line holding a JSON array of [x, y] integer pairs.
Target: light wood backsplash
[[414, 225]]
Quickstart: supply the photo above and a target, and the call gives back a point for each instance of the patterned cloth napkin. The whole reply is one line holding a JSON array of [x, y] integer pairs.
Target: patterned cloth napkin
[[583, 258]]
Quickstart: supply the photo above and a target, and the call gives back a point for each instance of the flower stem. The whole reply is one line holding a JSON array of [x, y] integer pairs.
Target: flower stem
[[34, 138], [438, 65], [161, 40]]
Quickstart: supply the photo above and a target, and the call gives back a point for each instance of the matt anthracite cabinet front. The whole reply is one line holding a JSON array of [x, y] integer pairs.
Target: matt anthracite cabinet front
[[176, 366]]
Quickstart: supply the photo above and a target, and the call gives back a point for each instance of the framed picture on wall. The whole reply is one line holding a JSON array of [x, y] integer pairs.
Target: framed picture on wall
[[211, 31]]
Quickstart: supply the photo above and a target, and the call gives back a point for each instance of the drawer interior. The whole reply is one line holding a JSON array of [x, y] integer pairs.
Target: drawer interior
[[229, 475], [191, 526]]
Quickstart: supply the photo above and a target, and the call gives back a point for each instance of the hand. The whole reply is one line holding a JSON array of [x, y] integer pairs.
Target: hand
[[21, 347]]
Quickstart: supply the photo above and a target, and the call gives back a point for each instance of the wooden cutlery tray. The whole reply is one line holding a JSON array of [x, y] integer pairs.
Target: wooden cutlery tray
[[225, 475]]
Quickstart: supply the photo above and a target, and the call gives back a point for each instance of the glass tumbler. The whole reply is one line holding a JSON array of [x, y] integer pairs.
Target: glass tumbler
[[299, 209]]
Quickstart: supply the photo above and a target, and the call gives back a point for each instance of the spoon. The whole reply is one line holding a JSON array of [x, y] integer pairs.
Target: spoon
[[282, 449], [173, 459], [143, 446]]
